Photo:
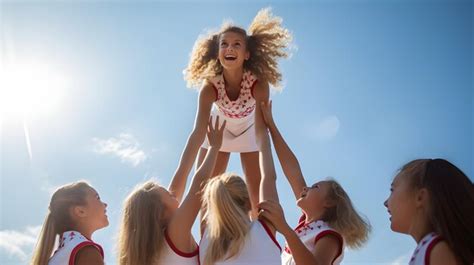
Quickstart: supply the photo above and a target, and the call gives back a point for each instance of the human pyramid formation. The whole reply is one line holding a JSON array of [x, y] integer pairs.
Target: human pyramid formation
[[431, 199]]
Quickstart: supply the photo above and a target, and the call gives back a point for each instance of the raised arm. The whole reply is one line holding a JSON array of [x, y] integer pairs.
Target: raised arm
[[177, 185], [268, 190], [180, 225], [289, 162], [326, 250]]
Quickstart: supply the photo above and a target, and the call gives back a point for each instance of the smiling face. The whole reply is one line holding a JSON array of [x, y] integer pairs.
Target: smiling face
[[232, 50], [314, 199], [401, 204]]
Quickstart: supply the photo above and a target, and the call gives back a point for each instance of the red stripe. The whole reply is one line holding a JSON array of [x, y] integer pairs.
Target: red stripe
[[334, 233], [179, 252], [430, 248], [269, 232], [76, 249], [301, 222]]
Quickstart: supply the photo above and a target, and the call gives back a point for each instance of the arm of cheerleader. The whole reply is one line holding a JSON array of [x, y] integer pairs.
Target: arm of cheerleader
[[268, 190], [207, 96], [325, 252], [289, 162], [180, 225], [88, 255]]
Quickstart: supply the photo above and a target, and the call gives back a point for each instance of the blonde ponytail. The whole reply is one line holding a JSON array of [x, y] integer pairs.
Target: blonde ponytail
[[58, 219], [227, 202], [44, 247]]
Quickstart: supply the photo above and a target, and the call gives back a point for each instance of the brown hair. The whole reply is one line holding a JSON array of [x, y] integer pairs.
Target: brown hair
[[344, 218], [58, 218], [141, 234], [267, 42], [451, 207]]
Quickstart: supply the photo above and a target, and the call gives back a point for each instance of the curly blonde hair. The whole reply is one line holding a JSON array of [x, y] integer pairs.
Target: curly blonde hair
[[266, 42]]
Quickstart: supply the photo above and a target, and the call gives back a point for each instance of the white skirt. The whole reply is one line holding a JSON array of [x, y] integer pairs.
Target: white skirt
[[239, 133]]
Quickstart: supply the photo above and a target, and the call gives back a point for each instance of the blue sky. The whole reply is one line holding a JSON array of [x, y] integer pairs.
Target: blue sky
[[370, 85]]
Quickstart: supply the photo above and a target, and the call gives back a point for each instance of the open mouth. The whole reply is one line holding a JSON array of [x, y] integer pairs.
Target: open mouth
[[230, 57]]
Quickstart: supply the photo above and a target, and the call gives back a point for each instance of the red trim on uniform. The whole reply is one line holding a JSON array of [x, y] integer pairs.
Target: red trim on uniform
[[302, 218], [333, 233], [430, 248], [252, 87], [76, 249], [269, 232], [301, 222], [215, 90], [179, 252]]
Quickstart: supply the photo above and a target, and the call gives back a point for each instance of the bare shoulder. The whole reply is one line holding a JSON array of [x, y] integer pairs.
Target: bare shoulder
[[441, 254], [327, 248], [261, 90], [207, 92], [88, 255]]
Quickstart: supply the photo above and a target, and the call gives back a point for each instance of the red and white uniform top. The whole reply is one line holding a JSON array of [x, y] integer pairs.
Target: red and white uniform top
[[309, 234], [421, 255], [244, 105], [172, 255], [260, 248], [70, 243]]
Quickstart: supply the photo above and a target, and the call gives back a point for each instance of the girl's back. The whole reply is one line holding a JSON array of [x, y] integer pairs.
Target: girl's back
[[260, 248]]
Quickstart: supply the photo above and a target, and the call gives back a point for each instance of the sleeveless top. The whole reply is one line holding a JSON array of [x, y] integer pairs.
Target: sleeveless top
[[259, 248], [70, 243], [172, 255], [309, 234], [244, 105], [421, 255]]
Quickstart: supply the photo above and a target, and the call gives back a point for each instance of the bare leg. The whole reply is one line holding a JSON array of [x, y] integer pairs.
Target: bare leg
[[251, 168], [221, 163]]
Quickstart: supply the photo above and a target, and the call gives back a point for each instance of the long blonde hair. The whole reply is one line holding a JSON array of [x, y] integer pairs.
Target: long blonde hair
[[344, 218], [141, 234], [58, 219], [227, 203], [267, 41]]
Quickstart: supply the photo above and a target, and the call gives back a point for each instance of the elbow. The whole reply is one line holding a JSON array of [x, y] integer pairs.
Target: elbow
[[197, 135]]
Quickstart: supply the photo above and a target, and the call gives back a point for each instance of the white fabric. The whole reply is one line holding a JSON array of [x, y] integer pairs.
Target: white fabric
[[70, 243], [309, 234], [239, 135], [421, 255], [171, 255], [259, 248]]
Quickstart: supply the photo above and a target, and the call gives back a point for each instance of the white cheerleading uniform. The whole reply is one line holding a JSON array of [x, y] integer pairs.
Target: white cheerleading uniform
[[172, 255], [421, 255], [309, 234], [239, 134], [259, 248], [70, 243]]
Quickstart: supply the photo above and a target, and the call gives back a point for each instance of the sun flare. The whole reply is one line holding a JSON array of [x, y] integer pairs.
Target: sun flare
[[29, 89]]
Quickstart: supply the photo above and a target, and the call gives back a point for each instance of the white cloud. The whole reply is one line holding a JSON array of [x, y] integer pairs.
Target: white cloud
[[19, 244], [125, 146], [326, 129]]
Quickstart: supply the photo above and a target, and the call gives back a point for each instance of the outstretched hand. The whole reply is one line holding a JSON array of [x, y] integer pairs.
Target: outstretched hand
[[272, 212], [215, 133]]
